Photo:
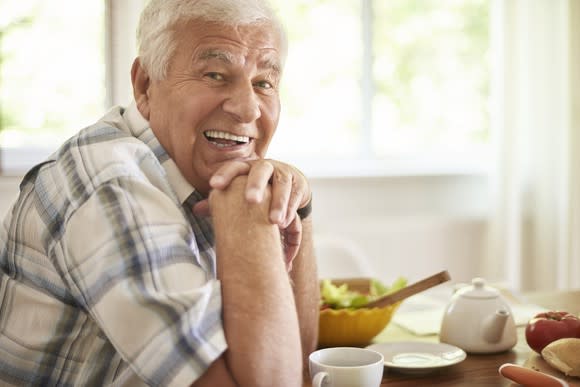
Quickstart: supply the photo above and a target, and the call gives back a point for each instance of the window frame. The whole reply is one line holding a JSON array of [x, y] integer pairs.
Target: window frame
[[121, 18]]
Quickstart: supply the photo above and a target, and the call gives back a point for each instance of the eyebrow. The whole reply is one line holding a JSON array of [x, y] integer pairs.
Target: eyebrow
[[213, 53], [228, 58]]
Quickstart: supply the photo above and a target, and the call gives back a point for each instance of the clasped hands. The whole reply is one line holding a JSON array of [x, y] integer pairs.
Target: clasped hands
[[290, 191]]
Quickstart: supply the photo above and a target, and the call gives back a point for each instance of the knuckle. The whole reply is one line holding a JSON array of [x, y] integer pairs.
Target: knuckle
[[283, 177], [266, 164], [237, 184]]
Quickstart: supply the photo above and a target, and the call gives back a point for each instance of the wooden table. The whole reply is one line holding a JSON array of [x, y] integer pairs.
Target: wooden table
[[482, 370]]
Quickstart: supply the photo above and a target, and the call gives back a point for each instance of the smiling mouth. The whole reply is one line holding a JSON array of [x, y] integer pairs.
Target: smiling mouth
[[225, 139]]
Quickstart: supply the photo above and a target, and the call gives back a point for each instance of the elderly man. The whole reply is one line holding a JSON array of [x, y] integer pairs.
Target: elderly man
[[159, 246]]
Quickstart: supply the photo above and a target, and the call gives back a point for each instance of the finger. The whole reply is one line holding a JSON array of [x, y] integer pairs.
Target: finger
[[227, 172], [258, 178], [294, 200], [282, 182], [201, 208], [299, 197], [292, 237]]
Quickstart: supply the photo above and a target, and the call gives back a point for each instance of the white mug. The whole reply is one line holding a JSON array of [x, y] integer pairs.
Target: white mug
[[346, 367]]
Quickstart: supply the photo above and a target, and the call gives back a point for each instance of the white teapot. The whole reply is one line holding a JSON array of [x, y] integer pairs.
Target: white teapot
[[478, 320]]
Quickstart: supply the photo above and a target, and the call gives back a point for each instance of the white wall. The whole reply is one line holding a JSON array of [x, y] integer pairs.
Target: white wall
[[410, 226]]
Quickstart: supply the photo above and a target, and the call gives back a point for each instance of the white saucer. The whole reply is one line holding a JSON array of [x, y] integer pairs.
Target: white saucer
[[415, 357]]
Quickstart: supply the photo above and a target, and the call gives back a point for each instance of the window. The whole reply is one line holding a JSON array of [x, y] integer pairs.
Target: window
[[52, 73], [431, 76], [384, 81], [367, 83]]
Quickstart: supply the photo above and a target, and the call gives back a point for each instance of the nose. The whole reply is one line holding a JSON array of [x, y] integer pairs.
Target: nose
[[243, 104]]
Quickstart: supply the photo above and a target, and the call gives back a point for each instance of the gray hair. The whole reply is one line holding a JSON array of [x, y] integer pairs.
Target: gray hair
[[155, 31]]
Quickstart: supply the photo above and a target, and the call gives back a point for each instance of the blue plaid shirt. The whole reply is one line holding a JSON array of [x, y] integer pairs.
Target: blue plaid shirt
[[106, 277]]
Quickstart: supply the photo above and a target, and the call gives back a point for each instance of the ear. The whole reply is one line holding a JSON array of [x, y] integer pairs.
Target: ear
[[141, 82]]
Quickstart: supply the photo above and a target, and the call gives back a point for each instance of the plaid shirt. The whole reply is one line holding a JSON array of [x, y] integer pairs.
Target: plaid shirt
[[106, 278]]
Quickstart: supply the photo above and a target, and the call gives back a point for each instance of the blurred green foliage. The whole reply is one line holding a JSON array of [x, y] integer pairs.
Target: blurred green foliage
[[52, 74], [431, 63], [5, 30], [430, 77]]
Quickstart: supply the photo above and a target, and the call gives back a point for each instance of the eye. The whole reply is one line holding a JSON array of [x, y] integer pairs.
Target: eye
[[215, 76], [264, 85]]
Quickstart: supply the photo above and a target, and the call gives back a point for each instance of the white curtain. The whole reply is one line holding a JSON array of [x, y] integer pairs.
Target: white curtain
[[535, 225]]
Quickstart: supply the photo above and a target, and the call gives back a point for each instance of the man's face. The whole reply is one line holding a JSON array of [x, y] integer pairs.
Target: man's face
[[220, 99]]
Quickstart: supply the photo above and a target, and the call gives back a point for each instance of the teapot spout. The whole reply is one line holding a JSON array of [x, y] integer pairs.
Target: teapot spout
[[493, 326]]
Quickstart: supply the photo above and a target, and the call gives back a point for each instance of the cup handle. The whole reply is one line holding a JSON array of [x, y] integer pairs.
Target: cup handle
[[318, 379]]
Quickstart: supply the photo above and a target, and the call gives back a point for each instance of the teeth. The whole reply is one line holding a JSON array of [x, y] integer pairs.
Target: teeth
[[226, 136]]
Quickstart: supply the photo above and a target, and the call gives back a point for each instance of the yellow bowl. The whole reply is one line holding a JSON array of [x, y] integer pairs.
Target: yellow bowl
[[353, 327]]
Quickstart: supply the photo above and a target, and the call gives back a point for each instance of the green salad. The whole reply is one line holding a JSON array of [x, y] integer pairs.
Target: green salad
[[339, 297]]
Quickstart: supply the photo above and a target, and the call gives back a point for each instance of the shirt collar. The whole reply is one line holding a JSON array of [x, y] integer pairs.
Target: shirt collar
[[139, 127]]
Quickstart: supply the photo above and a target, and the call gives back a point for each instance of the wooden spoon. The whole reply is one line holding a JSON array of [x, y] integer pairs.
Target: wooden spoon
[[410, 290]]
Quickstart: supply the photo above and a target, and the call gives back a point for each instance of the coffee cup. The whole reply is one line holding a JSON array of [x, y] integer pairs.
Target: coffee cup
[[346, 367]]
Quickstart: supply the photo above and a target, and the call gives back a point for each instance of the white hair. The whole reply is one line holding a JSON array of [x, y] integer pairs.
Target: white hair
[[155, 40]]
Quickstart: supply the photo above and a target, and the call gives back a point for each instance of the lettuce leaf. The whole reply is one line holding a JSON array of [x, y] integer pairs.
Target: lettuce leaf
[[338, 297]]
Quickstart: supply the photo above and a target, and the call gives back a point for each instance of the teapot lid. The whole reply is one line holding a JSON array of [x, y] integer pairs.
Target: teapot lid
[[478, 289]]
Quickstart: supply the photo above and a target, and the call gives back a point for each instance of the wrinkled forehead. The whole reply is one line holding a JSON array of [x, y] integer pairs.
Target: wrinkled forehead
[[229, 43]]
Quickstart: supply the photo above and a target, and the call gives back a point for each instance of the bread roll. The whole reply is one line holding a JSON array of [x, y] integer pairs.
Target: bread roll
[[564, 355]]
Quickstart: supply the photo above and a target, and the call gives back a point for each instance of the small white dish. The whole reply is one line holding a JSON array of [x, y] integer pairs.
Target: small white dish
[[416, 357]]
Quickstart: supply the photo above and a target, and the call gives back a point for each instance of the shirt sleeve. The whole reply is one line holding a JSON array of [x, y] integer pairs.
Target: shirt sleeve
[[130, 257]]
